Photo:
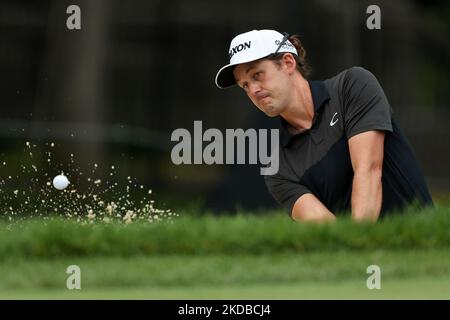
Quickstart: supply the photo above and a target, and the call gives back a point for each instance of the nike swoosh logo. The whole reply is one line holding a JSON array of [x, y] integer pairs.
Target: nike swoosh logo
[[333, 122]]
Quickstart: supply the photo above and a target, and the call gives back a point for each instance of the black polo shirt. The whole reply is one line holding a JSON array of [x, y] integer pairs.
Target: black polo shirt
[[318, 161]]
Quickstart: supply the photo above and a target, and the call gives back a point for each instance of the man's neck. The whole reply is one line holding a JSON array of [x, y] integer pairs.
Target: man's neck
[[300, 113]]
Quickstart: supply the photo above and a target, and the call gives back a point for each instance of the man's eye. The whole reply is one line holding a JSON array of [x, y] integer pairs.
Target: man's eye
[[257, 75]]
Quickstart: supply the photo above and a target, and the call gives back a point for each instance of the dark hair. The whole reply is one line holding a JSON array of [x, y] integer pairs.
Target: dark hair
[[302, 65]]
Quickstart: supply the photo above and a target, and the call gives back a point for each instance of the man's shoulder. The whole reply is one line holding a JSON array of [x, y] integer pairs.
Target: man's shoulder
[[348, 77], [352, 73]]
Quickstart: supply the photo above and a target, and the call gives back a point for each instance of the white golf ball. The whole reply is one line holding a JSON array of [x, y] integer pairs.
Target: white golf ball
[[60, 182]]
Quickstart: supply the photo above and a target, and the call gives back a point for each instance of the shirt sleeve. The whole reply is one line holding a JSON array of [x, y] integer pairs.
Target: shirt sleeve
[[366, 107], [285, 191]]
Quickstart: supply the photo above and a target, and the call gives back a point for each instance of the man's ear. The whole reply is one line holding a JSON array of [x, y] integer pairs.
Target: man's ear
[[289, 62]]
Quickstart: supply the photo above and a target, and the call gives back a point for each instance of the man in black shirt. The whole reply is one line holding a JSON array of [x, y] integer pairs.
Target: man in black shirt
[[340, 148]]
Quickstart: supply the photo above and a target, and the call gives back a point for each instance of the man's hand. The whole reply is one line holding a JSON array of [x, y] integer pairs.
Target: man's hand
[[366, 153], [309, 208]]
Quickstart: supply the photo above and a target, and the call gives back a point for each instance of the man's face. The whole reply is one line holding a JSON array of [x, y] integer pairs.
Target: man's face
[[265, 83]]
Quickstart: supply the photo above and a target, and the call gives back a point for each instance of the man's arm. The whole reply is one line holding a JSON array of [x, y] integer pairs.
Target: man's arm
[[309, 208], [366, 153]]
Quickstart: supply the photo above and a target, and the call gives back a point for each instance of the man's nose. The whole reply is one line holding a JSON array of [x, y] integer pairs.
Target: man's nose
[[253, 88]]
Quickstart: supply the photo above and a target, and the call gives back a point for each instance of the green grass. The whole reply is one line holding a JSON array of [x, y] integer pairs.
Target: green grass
[[195, 277], [242, 234], [229, 257], [420, 288], [178, 270]]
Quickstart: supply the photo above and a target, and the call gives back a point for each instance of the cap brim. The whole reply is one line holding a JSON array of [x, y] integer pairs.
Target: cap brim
[[225, 77]]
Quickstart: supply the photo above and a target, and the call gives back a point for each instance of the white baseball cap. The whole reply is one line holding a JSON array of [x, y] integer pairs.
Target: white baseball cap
[[251, 46]]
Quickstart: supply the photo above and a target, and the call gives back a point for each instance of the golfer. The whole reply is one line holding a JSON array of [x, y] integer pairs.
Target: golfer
[[340, 148]]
